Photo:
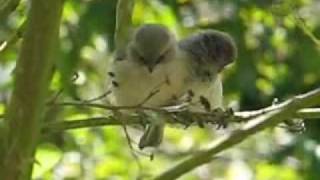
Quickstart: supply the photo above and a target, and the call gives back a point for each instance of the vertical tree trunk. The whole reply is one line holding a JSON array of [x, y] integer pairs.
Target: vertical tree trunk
[[32, 78]]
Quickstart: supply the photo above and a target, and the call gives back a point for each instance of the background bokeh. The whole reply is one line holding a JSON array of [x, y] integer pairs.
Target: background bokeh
[[278, 58]]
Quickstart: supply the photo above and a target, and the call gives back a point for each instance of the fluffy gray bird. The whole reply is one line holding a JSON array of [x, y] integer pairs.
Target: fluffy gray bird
[[157, 71], [206, 53], [149, 75]]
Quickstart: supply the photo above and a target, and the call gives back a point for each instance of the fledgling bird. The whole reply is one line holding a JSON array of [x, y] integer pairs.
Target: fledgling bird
[[148, 75], [155, 64], [206, 53]]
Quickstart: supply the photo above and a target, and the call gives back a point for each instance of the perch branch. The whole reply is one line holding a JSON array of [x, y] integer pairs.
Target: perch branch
[[285, 111], [90, 122], [244, 116]]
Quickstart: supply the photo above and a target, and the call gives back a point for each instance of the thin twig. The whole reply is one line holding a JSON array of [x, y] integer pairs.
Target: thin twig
[[305, 28], [129, 140], [104, 95], [13, 38], [54, 98], [155, 91]]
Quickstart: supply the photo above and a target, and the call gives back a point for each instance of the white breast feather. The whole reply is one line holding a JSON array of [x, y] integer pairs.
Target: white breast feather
[[212, 91], [136, 83]]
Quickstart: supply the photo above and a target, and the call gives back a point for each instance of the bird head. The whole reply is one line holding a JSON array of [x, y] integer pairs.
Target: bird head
[[152, 46], [211, 51], [220, 47]]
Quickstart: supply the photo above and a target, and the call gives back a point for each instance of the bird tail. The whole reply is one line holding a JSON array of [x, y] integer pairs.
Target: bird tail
[[152, 137]]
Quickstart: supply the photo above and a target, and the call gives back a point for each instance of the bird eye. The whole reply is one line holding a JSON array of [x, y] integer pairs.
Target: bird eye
[[142, 58], [160, 59], [207, 73]]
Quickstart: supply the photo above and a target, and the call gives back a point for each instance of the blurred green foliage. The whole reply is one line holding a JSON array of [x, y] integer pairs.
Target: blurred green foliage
[[278, 57]]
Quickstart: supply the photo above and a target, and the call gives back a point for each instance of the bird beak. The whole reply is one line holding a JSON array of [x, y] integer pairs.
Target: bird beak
[[150, 69]]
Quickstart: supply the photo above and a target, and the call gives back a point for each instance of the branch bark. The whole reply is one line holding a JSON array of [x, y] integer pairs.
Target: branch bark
[[32, 78], [287, 110]]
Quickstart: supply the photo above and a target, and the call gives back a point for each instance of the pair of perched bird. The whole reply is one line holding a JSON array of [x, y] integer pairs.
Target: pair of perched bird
[[157, 70]]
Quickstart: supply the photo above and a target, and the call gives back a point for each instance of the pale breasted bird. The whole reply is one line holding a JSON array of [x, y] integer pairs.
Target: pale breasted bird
[[149, 75], [206, 53], [155, 64]]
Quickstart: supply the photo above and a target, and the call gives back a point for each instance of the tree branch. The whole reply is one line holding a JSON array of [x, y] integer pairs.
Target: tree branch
[[300, 22], [90, 122], [174, 114], [13, 38], [32, 77], [307, 113], [123, 26], [6, 7], [285, 111]]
